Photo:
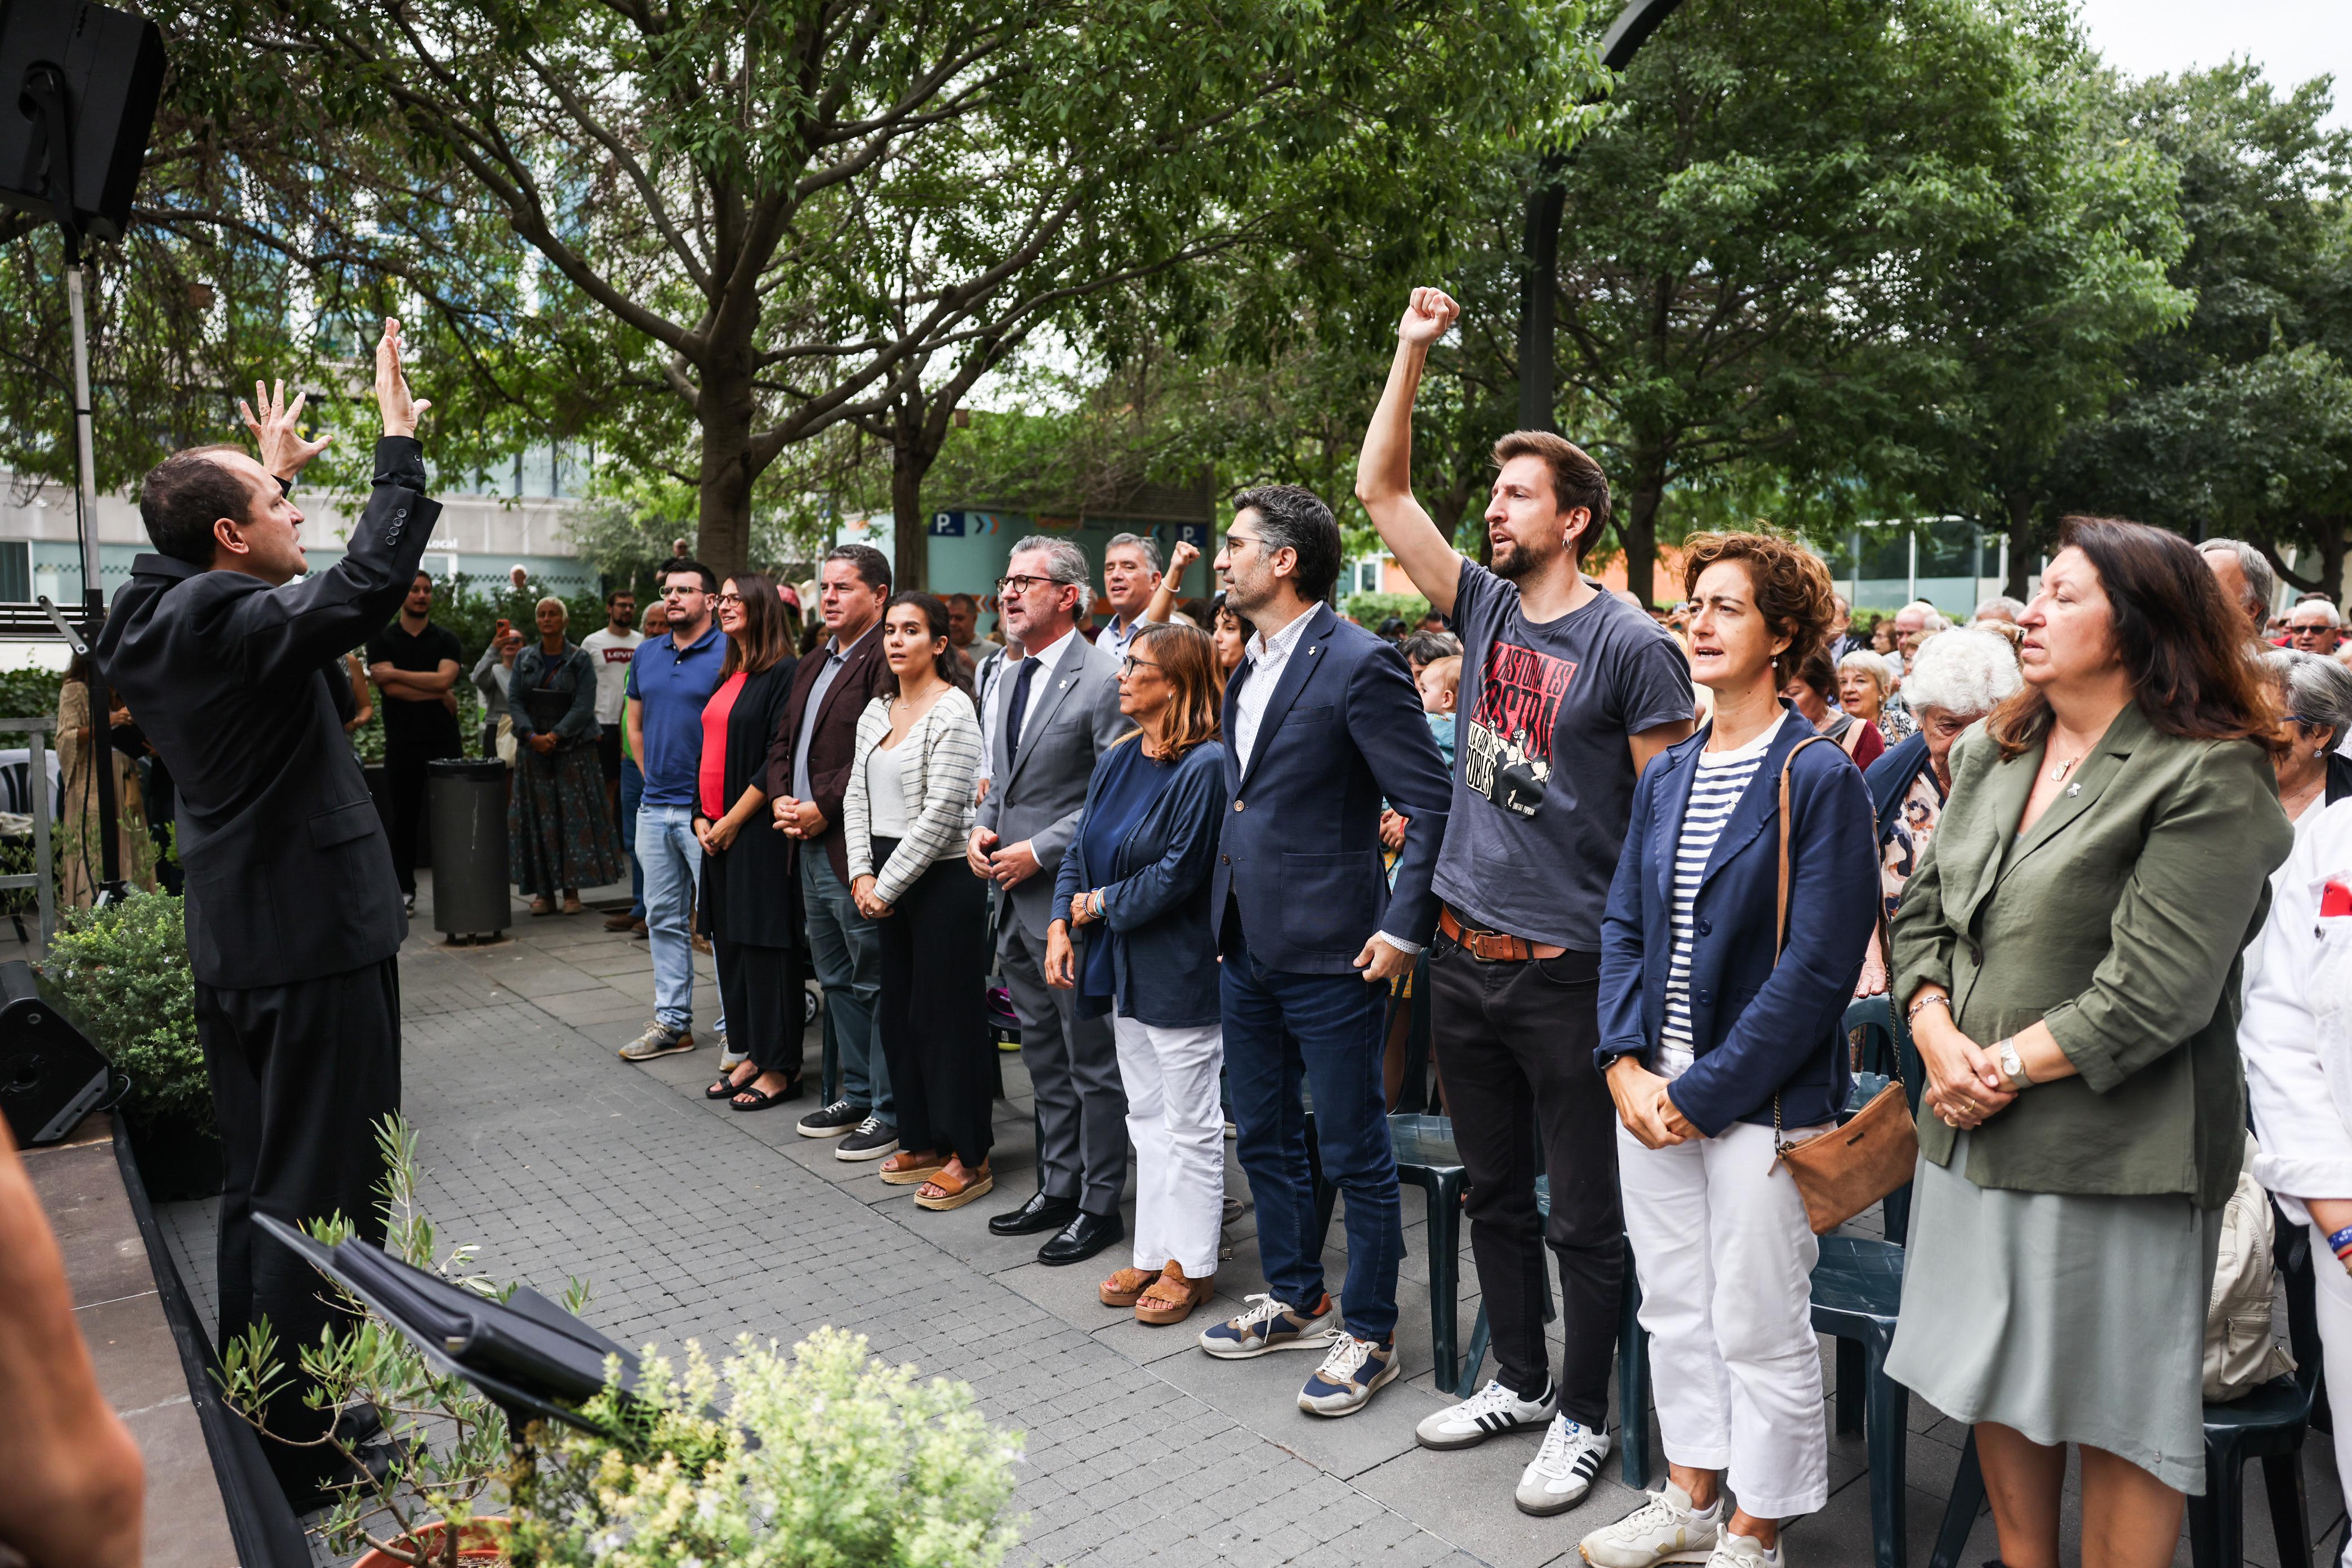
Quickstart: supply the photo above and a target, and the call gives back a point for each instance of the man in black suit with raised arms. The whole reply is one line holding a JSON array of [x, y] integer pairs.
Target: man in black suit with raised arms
[[293, 911]]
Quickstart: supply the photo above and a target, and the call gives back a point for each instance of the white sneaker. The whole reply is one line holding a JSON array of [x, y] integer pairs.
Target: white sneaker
[[1492, 1409], [1562, 1470], [1743, 1551], [1665, 1529]]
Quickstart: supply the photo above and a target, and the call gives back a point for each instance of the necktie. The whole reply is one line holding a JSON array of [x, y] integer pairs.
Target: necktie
[[1020, 708]]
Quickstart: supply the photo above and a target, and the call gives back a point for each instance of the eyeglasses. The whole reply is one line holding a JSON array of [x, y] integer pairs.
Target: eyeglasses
[[681, 590], [730, 598], [1022, 584], [1130, 664], [1233, 539]]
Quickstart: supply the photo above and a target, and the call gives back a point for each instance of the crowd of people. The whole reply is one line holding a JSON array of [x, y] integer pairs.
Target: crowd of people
[[2087, 849], [1207, 847]]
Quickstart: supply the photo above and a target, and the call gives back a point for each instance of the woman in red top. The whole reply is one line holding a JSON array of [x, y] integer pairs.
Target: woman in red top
[[747, 878], [1810, 693]]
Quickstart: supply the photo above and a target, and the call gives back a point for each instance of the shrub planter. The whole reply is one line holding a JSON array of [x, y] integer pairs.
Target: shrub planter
[[477, 1543]]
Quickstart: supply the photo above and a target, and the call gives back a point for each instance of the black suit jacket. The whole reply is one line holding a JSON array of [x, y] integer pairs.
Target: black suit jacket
[[289, 873], [1301, 855], [832, 744]]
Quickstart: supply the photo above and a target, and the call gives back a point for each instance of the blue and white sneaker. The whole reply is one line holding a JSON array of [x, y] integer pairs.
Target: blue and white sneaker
[[1268, 1325], [1492, 1409], [1562, 1473], [1351, 1375]]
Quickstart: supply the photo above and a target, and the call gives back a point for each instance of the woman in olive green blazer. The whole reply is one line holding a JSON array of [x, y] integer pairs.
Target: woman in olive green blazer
[[2068, 949]]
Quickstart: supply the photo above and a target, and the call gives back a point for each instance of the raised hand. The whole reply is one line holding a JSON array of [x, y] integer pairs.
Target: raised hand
[[1182, 556], [278, 429], [1428, 318], [401, 412]]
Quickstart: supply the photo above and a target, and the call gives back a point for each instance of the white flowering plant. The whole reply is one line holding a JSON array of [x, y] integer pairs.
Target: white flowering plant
[[827, 1456]]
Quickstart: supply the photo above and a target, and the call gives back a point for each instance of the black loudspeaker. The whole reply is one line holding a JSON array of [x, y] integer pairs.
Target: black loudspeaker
[[107, 68], [49, 1075]]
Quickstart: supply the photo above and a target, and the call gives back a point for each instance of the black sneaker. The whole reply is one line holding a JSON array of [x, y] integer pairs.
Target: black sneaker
[[834, 1119], [874, 1139]]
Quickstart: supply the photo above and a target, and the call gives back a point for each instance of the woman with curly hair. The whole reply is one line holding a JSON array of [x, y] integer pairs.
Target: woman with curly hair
[[1717, 1038]]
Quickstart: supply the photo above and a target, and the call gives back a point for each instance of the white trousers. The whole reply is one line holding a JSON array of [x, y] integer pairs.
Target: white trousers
[[2331, 1297], [1725, 1261], [1177, 1124]]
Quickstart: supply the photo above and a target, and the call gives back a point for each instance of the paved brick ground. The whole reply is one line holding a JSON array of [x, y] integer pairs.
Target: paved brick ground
[[560, 1160]]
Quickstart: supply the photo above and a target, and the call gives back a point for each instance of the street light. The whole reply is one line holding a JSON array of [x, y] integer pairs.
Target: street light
[[1539, 285]]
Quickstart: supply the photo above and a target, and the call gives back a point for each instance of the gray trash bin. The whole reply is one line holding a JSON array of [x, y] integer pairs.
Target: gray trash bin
[[466, 806]]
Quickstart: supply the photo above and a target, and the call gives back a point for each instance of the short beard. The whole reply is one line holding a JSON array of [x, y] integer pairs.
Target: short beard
[[1523, 562]]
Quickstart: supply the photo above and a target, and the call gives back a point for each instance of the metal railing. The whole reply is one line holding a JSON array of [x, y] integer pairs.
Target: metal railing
[[37, 789]]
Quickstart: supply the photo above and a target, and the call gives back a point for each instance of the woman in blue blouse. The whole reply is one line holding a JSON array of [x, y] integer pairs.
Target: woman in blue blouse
[[1136, 881]]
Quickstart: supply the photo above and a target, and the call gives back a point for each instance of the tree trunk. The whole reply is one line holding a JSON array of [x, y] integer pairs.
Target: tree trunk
[[2021, 556], [1447, 509], [914, 446], [1638, 530], [723, 529], [910, 534]]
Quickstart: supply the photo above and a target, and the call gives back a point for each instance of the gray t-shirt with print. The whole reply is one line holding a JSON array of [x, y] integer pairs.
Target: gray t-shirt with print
[[1543, 777]]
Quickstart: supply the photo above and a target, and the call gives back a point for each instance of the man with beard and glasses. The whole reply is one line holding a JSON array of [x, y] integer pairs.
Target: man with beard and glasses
[[1566, 693]]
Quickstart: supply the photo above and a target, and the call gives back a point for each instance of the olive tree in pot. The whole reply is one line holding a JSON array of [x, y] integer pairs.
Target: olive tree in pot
[[120, 971], [824, 1456]]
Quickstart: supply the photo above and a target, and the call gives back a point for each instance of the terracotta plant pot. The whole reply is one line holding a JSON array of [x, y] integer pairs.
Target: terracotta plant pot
[[479, 1545]]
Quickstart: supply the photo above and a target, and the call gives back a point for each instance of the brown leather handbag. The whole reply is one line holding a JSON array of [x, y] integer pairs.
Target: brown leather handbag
[[1846, 1170]]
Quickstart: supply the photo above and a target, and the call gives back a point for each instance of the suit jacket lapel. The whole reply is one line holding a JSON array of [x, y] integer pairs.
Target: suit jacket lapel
[[1297, 670], [2098, 769], [1047, 689], [870, 646], [1666, 827]]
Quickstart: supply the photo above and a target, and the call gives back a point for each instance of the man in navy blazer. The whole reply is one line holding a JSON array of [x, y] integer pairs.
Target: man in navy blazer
[[294, 914], [1321, 722]]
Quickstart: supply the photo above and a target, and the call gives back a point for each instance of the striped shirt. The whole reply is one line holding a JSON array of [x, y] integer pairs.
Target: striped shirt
[[1722, 779]]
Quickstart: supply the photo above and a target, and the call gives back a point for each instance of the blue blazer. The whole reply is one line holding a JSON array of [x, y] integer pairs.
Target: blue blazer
[[1301, 855], [1757, 1028], [1889, 780], [1156, 909]]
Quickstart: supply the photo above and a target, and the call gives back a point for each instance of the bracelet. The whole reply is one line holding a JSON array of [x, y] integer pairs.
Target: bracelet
[[2340, 1244], [1094, 904], [1936, 999]]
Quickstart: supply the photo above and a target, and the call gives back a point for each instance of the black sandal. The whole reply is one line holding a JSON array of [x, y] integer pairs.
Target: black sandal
[[725, 1088], [759, 1101]]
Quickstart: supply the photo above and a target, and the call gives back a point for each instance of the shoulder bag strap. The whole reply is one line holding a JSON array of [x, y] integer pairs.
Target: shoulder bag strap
[[1780, 921]]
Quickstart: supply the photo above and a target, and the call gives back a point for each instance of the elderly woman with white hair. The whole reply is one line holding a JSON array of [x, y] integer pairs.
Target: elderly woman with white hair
[[2315, 696], [1865, 680], [1955, 678]]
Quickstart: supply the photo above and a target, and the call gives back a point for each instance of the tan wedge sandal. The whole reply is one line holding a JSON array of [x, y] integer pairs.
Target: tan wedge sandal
[[1122, 1288], [1171, 1298]]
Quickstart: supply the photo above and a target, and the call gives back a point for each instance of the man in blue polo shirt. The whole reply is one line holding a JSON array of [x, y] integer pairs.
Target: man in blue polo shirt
[[669, 680]]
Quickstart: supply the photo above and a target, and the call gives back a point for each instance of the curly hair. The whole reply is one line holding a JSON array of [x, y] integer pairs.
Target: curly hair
[[1793, 589]]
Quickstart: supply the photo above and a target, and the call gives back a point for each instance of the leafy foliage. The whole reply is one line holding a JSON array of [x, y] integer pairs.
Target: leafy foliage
[[824, 1456], [122, 971]]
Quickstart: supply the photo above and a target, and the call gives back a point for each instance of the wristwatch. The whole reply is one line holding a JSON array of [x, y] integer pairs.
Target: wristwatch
[[2012, 1066]]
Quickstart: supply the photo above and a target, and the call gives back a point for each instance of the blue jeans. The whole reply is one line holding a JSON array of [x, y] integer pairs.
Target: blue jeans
[[848, 954], [1281, 1028], [672, 859], [633, 789]]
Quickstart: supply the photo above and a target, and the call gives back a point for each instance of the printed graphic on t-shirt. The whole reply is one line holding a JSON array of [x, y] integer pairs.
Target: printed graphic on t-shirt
[[1508, 745], [618, 655]]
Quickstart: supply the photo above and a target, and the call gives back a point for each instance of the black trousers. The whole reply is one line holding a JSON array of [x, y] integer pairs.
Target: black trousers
[[759, 987], [403, 780], [1518, 1041], [932, 1011], [302, 1074]]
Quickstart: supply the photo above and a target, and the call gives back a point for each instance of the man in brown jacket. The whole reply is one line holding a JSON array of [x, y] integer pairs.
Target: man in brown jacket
[[808, 768]]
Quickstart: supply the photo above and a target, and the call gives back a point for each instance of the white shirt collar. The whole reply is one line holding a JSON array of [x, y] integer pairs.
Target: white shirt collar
[[1051, 653], [1260, 648]]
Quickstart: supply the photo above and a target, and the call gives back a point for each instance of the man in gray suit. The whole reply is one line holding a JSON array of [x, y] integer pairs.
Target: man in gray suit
[[1049, 718]]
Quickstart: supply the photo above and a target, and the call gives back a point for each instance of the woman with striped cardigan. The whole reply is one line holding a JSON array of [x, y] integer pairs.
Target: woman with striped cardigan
[[906, 815]]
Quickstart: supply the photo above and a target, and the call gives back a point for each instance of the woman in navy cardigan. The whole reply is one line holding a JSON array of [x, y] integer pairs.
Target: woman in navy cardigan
[[1135, 881], [1707, 1035]]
